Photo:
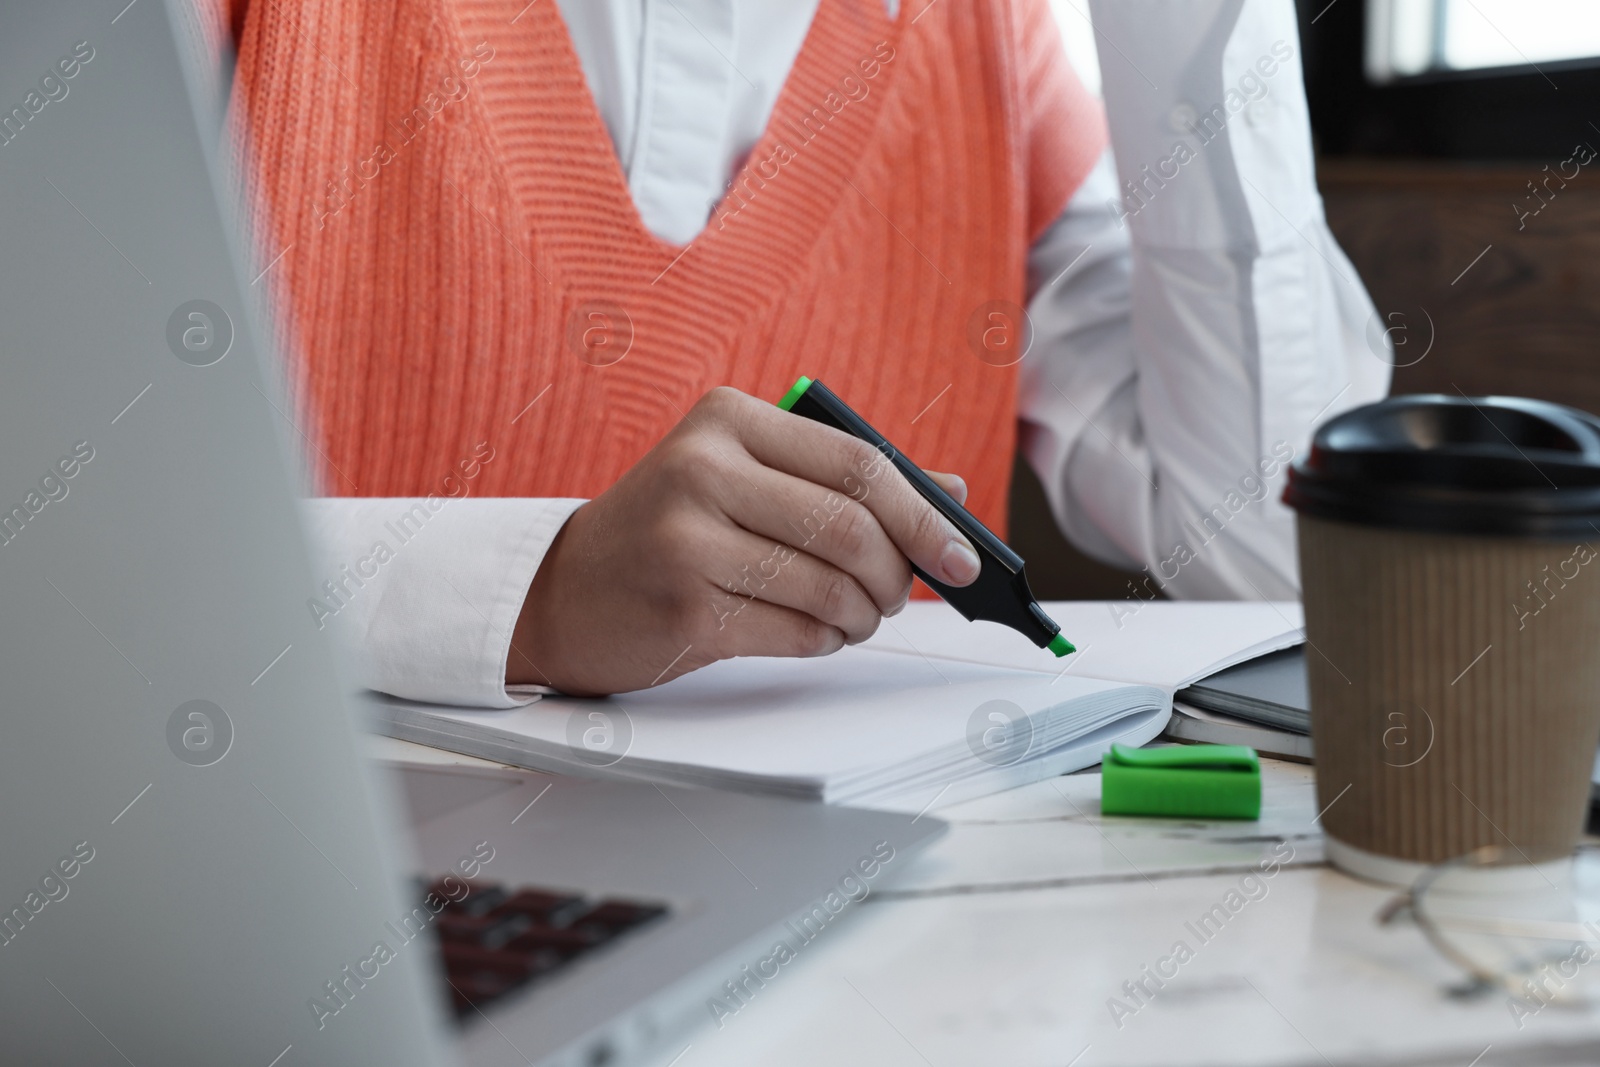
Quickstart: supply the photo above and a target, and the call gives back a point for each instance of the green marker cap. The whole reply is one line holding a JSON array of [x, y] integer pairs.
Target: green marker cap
[[795, 393], [1182, 781]]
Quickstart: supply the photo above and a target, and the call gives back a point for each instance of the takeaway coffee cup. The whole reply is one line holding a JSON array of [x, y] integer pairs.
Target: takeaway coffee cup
[[1450, 566]]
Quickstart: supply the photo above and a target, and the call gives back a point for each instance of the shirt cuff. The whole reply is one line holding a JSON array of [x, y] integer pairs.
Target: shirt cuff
[[426, 591]]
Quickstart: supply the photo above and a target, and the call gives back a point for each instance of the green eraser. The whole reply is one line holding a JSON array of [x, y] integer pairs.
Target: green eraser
[[1182, 781], [1060, 645], [795, 392]]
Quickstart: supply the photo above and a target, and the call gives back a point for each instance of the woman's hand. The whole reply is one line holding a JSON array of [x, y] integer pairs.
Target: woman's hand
[[747, 531]]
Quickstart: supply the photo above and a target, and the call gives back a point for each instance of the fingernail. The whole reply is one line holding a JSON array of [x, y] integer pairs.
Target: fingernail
[[897, 609], [959, 562]]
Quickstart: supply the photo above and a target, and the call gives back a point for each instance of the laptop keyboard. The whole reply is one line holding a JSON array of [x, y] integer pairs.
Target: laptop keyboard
[[495, 939]]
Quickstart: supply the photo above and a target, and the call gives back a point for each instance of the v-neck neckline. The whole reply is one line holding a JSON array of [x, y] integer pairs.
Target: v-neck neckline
[[836, 41]]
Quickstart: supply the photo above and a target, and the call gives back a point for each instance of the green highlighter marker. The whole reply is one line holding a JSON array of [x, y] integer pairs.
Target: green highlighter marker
[[1000, 592]]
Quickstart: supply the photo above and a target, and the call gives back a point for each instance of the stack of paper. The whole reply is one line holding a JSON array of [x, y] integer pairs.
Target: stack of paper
[[1163, 643], [931, 711], [1200, 727]]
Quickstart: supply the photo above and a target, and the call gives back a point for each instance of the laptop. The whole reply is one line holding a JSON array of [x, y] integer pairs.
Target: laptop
[[198, 867]]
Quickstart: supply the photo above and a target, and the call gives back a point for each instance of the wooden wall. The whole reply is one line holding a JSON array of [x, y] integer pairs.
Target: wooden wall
[[1523, 320]]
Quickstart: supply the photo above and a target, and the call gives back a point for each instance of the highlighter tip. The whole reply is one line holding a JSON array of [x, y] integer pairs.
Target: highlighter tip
[[1060, 645]]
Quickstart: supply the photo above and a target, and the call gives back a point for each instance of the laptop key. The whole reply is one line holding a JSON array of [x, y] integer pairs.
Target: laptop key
[[485, 931], [560, 939], [620, 915], [480, 899], [546, 909], [493, 941]]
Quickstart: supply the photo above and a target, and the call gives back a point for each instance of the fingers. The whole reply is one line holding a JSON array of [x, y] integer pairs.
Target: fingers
[[953, 484], [810, 528], [834, 459], [777, 574], [759, 628], [825, 526]]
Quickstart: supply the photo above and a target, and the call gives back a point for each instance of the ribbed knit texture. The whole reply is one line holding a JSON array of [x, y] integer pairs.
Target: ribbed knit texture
[[447, 255]]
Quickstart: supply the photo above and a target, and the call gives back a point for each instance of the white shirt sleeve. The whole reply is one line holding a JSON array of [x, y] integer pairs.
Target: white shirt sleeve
[[426, 591], [1192, 326]]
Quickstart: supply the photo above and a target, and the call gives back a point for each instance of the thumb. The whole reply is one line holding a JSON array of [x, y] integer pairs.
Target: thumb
[[950, 483]]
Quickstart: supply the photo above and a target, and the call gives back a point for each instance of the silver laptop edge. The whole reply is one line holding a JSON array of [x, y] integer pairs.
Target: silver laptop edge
[[194, 854], [178, 775]]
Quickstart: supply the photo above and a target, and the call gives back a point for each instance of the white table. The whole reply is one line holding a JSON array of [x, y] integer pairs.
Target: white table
[[1004, 942]]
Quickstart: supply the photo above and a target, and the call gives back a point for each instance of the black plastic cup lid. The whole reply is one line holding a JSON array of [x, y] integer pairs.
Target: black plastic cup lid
[[1456, 464]]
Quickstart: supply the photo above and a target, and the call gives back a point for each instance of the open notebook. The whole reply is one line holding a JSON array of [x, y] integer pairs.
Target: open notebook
[[931, 711]]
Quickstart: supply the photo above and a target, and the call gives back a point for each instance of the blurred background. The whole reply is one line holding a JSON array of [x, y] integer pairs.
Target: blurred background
[[1446, 130]]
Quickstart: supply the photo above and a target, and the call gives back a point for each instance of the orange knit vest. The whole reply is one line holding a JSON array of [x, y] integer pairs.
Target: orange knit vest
[[457, 258]]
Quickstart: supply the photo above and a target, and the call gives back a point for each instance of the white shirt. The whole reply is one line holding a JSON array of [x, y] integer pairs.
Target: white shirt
[[1186, 340]]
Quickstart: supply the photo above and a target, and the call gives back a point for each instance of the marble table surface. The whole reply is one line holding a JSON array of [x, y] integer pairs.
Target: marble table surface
[[1023, 937]]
